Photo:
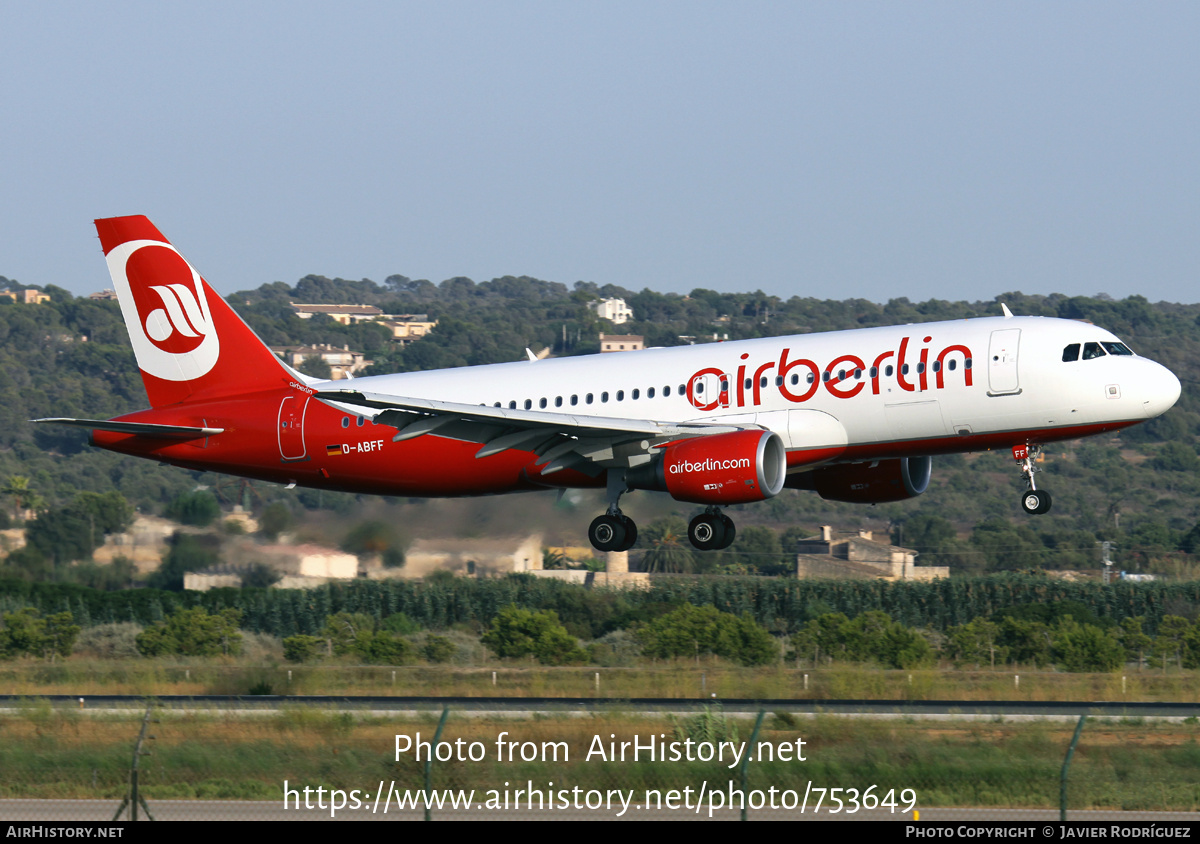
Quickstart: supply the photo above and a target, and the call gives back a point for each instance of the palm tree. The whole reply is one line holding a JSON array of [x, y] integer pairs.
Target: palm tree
[[667, 555], [23, 497]]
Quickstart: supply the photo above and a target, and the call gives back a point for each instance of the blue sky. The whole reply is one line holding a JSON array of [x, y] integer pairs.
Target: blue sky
[[948, 150]]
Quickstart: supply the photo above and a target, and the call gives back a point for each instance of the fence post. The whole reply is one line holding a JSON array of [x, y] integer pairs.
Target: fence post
[[746, 759], [429, 760], [1062, 790], [134, 798]]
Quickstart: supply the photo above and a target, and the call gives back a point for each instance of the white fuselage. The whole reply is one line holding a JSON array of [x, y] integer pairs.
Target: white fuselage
[[922, 388]]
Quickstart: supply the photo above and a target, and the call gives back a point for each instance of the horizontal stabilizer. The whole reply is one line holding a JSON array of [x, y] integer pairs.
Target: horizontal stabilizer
[[141, 429]]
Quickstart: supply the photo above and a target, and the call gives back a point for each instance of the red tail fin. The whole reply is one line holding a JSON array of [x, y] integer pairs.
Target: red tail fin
[[189, 343]]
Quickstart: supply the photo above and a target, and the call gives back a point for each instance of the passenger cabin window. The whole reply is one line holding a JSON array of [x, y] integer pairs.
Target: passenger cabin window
[[1071, 353], [635, 394], [1092, 350], [649, 392]]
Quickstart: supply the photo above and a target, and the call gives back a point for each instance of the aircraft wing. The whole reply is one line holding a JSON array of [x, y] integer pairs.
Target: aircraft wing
[[561, 440]]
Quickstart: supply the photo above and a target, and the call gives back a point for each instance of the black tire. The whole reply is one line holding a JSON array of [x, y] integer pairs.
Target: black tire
[[1035, 501], [607, 533], [706, 532], [630, 533], [730, 532]]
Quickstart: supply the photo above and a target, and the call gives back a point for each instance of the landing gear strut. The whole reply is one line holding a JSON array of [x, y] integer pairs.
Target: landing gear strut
[[1034, 501], [712, 530], [613, 531]]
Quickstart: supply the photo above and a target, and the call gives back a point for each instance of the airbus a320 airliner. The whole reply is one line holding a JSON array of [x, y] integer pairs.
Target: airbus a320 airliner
[[853, 415]]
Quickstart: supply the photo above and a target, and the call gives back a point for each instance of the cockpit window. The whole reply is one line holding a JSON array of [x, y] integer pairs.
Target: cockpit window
[[1116, 348], [1092, 350], [1071, 353]]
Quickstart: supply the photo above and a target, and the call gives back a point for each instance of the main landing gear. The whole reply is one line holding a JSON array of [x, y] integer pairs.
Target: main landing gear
[[1034, 501], [712, 530], [614, 531]]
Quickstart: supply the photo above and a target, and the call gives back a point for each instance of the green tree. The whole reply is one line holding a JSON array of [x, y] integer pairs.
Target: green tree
[[1085, 647], [344, 630], [27, 633], [517, 632], [666, 554], [302, 648], [382, 648], [185, 553], [316, 366], [1028, 642], [694, 631], [276, 518], [1169, 643], [260, 576], [438, 649], [757, 550], [976, 642], [376, 537], [198, 508], [73, 532], [1133, 639], [23, 496], [193, 632], [822, 636]]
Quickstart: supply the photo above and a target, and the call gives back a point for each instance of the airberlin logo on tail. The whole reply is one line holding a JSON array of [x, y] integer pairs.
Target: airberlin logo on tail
[[165, 309]]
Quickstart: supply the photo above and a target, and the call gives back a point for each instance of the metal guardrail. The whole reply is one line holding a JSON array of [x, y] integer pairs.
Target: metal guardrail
[[744, 706]]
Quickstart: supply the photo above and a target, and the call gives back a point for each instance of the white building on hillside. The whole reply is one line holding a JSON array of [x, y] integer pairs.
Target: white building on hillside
[[613, 310]]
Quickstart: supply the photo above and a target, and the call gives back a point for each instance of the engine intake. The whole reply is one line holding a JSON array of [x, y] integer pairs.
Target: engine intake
[[868, 483], [735, 468]]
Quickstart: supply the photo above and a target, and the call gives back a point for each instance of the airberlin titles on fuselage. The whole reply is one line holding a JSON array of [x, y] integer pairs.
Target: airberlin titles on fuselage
[[799, 379]]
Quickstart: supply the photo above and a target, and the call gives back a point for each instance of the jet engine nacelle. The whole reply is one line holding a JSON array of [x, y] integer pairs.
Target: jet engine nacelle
[[734, 468], [869, 483]]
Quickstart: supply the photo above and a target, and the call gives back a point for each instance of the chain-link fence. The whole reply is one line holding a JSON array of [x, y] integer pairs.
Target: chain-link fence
[[321, 763]]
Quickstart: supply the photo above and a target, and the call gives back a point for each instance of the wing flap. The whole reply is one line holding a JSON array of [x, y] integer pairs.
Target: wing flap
[[561, 440]]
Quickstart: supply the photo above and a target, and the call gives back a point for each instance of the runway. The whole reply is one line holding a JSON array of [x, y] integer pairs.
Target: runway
[[519, 707]]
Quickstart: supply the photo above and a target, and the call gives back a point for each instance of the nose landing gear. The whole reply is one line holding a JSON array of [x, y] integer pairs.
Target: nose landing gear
[[1034, 501]]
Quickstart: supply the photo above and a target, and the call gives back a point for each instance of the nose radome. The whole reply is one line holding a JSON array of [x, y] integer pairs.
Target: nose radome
[[1160, 390]]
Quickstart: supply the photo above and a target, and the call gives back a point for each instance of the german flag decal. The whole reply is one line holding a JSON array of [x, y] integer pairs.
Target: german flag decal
[[334, 450]]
